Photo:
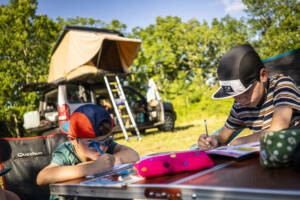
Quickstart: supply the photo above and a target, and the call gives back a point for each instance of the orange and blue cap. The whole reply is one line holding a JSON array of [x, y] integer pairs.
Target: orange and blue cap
[[85, 120]]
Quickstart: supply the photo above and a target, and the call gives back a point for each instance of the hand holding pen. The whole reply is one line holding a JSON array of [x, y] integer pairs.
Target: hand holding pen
[[206, 142]]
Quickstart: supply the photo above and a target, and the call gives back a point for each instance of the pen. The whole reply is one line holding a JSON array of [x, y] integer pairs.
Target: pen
[[97, 147], [206, 132]]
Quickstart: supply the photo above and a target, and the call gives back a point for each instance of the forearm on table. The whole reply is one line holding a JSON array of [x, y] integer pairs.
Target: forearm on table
[[63, 173], [224, 135], [254, 137]]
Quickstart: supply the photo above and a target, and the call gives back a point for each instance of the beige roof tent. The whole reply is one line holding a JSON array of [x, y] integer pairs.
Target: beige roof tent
[[84, 53]]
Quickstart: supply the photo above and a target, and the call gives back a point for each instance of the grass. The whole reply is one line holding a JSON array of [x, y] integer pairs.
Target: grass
[[184, 135]]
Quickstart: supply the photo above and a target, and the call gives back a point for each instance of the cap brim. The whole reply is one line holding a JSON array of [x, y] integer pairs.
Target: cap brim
[[221, 94]]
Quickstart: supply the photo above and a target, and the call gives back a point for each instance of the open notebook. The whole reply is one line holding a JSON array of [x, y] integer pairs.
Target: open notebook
[[236, 151]]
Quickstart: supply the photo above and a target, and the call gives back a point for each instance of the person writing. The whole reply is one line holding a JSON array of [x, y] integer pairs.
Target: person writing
[[90, 149], [261, 103]]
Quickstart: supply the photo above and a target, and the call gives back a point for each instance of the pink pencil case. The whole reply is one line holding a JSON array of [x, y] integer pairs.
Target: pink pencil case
[[173, 163]]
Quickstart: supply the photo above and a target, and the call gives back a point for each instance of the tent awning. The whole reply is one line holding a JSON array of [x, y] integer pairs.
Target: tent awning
[[82, 52]]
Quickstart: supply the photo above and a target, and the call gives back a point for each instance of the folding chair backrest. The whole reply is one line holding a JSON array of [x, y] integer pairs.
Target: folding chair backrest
[[287, 63], [26, 157]]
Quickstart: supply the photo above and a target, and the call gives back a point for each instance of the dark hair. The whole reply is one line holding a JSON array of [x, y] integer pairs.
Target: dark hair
[[104, 127]]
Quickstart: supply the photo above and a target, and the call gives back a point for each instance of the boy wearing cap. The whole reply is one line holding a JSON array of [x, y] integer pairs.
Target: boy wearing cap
[[90, 149], [262, 103]]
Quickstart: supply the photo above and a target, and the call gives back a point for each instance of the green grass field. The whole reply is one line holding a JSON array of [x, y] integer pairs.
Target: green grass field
[[184, 135]]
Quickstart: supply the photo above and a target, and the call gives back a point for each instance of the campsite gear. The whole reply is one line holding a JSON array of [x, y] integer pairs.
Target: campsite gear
[[26, 157], [87, 52], [91, 55], [120, 105], [140, 117], [173, 163], [277, 147], [286, 63]]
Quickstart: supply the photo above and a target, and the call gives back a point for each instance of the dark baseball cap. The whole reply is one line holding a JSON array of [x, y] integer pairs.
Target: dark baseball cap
[[237, 71]]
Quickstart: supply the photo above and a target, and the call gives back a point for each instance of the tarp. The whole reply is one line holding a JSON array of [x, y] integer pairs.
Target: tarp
[[82, 52], [287, 63]]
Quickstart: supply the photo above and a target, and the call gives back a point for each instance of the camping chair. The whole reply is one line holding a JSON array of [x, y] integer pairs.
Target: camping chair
[[286, 63], [26, 157]]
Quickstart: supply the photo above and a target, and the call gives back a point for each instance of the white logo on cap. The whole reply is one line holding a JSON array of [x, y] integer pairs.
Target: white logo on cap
[[233, 87], [228, 89]]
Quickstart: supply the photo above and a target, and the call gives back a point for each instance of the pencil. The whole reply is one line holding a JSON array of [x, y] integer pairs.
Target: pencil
[[97, 147], [206, 132]]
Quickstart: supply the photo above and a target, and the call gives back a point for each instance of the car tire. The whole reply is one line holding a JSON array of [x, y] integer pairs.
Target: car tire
[[169, 123]]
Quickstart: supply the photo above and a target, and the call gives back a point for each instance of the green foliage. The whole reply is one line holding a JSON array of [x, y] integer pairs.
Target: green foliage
[[275, 24], [25, 44], [172, 48], [89, 22], [193, 101], [180, 56]]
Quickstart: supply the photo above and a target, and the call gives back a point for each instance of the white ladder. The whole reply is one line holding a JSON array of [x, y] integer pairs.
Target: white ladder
[[122, 112]]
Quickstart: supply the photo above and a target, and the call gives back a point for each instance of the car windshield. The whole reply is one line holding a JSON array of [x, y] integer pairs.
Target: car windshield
[[78, 94]]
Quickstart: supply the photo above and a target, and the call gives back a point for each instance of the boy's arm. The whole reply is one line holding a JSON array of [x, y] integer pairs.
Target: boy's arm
[[125, 154], [281, 119], [55, 173]]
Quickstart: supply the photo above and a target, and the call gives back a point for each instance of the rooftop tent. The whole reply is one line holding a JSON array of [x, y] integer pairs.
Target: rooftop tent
[[87, 52]]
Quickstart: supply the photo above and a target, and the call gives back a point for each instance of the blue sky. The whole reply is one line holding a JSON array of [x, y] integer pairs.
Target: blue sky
[[140, 12]]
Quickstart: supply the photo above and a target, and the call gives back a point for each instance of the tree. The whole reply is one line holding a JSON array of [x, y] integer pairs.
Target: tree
[[96, 23], [275, 25], [176, 52], [25, 41]]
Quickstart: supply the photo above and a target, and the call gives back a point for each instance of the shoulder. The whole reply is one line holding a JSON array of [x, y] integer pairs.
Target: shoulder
[[65, 154], [281, 81], [64, 147], [283, 85]]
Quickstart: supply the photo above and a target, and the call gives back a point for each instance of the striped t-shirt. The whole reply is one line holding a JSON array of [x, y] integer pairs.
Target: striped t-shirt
[[282, 90]]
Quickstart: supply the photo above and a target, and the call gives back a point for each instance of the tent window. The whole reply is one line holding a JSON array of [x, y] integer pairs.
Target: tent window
[[110, 58]]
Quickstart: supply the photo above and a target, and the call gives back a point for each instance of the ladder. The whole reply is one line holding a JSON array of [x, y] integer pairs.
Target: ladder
[[120, 104]]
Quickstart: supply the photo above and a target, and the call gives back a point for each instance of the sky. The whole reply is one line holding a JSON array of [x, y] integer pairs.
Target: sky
[[140, 12]]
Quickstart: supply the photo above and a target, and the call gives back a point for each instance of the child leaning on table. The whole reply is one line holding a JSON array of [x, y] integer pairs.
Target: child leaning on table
[[89, 133], [262, 103]]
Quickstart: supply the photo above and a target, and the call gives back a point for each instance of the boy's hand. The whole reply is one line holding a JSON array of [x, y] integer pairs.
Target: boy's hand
[[207, 143], [105, 162]]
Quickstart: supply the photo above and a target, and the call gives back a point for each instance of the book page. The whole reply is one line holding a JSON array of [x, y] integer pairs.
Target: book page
[[116, 169], [118, 177], [236, 151]]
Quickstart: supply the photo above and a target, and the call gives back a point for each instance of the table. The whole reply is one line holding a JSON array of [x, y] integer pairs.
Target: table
[[229, 179]]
